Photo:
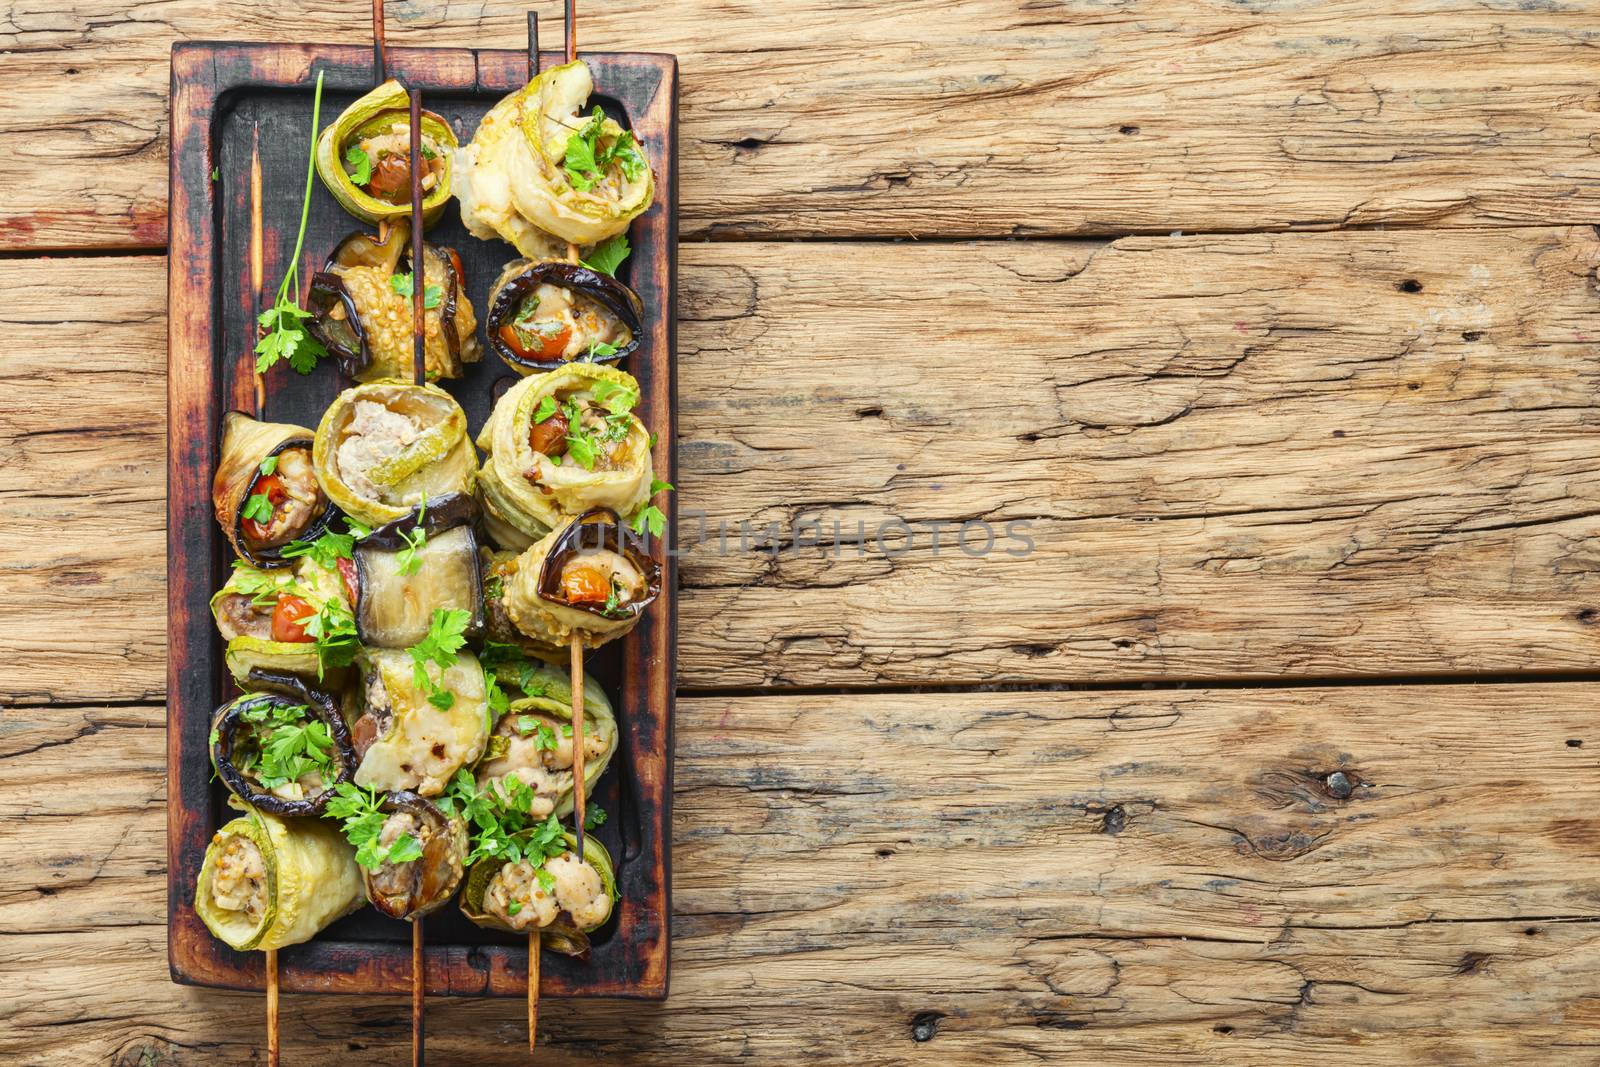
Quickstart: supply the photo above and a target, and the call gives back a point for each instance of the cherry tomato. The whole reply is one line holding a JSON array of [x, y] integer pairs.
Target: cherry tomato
[[549, 344], [585, 585], [550, 436], [347, 575], [289, 620], [276, 493]]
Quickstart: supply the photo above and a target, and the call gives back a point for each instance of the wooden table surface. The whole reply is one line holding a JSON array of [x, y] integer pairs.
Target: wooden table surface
[[1274, 321]]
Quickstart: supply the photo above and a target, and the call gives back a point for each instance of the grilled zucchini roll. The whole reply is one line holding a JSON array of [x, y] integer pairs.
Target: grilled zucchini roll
[[364, 157], [361, 308], [267, 883], [560, 444], [282, 749], [533, 742], [592, 576], [544, 314], [383, 447], [536, 168], [265, 493], [266, 619], [422, 717], [563, 897], [415, 566], [426, 857]]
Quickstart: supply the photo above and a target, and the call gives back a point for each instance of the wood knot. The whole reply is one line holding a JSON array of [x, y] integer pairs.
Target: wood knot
[[1115, 820], [1587, 616], [925, 1024], [1410, 285], [1127, 131], [1339, 785], [1472, 962]]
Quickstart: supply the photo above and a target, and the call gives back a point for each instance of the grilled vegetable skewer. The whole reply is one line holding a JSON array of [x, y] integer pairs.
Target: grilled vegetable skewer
[[283, 749], [265, 493]]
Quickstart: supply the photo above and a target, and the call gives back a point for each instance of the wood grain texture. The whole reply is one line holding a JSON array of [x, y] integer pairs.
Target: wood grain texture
[[1246, 456], [1158, 877], [918, 117]]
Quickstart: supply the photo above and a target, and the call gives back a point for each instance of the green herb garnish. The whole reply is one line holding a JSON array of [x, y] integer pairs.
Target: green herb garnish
[[432, 296], [358, 164], [284, 334], [446, 634], [363, 823], [334, 630], [608, 255], [258, 508], [268, 465]]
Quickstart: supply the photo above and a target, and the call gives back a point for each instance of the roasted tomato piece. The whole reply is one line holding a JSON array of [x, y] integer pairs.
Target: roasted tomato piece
[[585, 585], [347, 575], [271, 486], [544, 341], [289, 619], [549, 436]]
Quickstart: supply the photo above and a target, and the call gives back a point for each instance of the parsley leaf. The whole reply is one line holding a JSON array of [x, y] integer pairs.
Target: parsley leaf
[[406, 561], [358, 164], [609, 254], [446, 635], [593, 816], [327, 549], [649, 516], [262, 587], [600, 349], [284, 744], [268, 465], [258, 508], [334, 629], [615, 398], [284, 336], [581, 449], [547, 407], [432, 296], [502, 825], [363, 821]]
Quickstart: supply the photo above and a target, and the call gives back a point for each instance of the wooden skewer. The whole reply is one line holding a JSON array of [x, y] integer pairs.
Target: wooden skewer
[[419, 373], [418, 990], [272, 1007], [380, 50], [579, 786], [534, 946]]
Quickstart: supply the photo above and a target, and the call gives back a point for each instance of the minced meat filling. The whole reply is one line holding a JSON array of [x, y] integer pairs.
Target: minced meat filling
[[240, 881], [539, 752], [373, 435], [516, 897]]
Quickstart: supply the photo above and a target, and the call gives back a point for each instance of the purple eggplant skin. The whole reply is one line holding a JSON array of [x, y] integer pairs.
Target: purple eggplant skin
[[599, 528], [268, 558], [346, 338], [441, 515], [273, 688], [605, 290]]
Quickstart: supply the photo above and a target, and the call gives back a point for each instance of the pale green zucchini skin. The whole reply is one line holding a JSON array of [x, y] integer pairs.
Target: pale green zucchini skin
[[563, 935], [383, 108]]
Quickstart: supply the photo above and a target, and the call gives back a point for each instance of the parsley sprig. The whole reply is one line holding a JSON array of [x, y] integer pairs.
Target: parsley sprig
[[501, 820], [287, 744], [333, 628], [329, 547], [587, 159], [262, 587], [609, 254], [363, 821], [649, 515], [358, 164], [432, 296], [510, 662], [447, 633], [284, 335], [407, 562]]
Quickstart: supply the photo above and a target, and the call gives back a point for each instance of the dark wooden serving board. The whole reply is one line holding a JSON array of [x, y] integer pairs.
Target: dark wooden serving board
[[221, 93]]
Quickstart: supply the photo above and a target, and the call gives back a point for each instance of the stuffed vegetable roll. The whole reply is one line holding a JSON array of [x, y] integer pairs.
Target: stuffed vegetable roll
[[265, 493], [283, 748], [562, 896], [270, 619], [543, 314], [384, 447], [591, 576], [267, 882], [533, 742], [420, 720], [361, 308], [424, 857], [537, 168], [562, 443], [364, 157], [415, 566]]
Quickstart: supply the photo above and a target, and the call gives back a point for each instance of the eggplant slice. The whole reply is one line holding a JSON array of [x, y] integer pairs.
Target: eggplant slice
[[411, 889], [394, 609], [593, 308], [592, 576], [300, 510], [235, 740], [365, 322]]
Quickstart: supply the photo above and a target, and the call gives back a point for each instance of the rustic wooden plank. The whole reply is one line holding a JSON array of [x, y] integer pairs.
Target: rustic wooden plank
[[1143, 877], [983, 117], [1246, 456]]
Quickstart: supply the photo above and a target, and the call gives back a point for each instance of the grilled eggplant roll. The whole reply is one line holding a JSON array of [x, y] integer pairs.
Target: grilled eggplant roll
[[533, 742], [267, 883], [282, 749], [544, 314], [262, 615], [364, 158], [265, 493], [410, 568], [535, 168], [411, 888], [361, 308], [572, 901], [591, 576], [560, 444], [419, 723], [383, 447]]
